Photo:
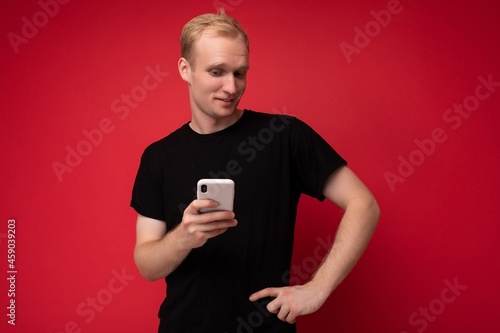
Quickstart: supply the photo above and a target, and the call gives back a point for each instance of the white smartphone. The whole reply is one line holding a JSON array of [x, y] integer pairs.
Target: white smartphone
[[220, 190]]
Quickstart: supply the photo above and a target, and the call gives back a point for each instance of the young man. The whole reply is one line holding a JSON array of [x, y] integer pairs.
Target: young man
[[223, 274]]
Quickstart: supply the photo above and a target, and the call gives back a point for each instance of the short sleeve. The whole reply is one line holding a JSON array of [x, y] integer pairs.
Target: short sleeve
[[313, 159], [147, 193]]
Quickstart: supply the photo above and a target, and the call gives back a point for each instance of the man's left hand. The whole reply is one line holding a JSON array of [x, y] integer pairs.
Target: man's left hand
[[291, 302]]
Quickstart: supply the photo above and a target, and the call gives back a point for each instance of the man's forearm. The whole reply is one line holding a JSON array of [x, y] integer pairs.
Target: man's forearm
[[157, 259], [353, 236], [158, 254]]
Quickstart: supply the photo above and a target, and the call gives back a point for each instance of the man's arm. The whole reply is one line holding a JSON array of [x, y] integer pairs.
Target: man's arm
[[158, 252], [361, 214]]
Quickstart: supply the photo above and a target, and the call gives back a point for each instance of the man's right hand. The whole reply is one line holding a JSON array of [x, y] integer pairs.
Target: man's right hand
[[197, 228], [158, 252]]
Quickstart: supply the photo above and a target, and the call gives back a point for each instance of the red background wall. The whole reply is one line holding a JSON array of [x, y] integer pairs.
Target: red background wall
[[384, 97]]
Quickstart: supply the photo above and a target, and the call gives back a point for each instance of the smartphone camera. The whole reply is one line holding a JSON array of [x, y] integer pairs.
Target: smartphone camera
[[204, 188]]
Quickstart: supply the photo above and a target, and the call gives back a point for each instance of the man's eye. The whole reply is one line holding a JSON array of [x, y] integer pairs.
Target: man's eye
[[240, 74], [215, 72]]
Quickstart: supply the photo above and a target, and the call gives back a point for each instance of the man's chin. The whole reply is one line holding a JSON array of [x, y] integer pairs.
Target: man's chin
[[226, 112]]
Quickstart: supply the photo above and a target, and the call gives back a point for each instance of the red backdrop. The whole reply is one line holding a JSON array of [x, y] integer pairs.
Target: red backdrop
[[407, 91]]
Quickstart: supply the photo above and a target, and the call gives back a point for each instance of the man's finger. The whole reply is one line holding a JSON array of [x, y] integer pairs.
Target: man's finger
[[283, 313], [263, 293], [196, 205]]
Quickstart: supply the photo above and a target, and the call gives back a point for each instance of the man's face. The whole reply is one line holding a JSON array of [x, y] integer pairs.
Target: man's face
[[217, 79]]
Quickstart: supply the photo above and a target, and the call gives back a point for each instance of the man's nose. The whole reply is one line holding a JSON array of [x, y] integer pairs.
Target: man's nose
[[229, 84]]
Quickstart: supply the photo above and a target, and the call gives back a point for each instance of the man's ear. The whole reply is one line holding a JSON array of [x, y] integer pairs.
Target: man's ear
[[185, 70]]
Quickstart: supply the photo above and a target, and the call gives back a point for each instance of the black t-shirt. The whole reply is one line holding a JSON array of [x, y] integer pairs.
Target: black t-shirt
[[272, 159]]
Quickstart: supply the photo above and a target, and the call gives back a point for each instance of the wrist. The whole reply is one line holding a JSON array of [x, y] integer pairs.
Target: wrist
[[178, 243], [320, 288]]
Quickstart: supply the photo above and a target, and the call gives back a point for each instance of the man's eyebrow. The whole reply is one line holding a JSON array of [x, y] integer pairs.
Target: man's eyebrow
[[224, 65]]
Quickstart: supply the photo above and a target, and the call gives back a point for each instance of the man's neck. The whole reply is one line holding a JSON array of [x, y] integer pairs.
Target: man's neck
[[205, 124]]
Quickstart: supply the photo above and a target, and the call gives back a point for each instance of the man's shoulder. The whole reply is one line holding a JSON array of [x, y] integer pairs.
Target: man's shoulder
[[266, 115], [268, 118], [170, 140]]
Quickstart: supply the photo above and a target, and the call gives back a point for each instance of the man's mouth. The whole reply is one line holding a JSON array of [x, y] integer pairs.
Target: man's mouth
[[227, 100]]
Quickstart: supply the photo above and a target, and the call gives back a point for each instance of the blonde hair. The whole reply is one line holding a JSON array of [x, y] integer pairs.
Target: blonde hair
[[220, 23]]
